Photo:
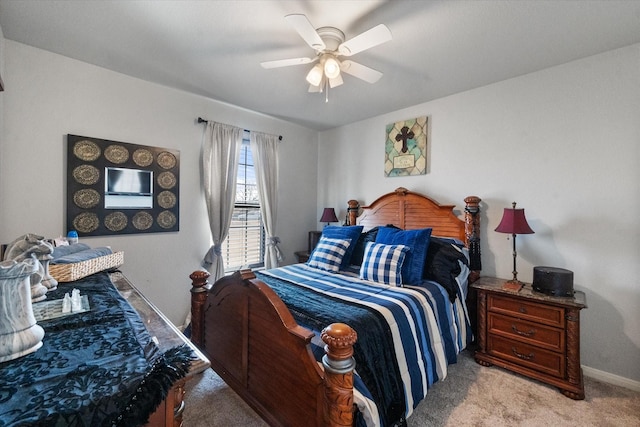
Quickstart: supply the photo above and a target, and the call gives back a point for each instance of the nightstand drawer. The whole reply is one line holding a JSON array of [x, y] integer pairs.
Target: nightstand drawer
[[545, 361], [527, 332], [547, 314]]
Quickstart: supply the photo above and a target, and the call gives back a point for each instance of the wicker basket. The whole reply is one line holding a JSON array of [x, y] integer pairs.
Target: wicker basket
[[78, 270]]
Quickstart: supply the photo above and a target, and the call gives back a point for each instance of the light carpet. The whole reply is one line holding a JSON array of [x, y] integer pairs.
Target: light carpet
[[471, 395]]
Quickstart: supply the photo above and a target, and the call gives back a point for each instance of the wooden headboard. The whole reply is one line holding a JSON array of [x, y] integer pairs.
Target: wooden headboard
[[409, 211]]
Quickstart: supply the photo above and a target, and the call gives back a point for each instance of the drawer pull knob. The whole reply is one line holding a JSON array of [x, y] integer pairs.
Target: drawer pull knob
[[522, 310], [530, 333], [522, 356]]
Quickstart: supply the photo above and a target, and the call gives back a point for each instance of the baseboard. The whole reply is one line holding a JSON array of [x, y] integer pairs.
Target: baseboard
[[610, 378]]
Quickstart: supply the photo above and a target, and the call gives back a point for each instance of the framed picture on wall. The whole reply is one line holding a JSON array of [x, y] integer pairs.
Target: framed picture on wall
[[406, 148], [121, 188]]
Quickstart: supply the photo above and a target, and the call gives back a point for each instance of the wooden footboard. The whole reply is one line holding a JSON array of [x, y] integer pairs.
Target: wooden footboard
[[258, 349]]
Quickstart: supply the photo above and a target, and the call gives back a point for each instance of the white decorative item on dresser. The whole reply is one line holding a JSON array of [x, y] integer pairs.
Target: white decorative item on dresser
[[19, 332], [32, 245]]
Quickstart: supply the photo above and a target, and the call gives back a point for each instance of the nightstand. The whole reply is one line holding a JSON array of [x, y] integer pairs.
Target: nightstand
[[314, 237], [531, 333], [303, 256]]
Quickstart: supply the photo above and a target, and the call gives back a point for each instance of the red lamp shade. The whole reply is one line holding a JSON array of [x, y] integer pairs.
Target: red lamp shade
[[328, 215], [514, 222]]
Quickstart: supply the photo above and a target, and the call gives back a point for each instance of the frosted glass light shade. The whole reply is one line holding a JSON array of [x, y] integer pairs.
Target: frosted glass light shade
[[315, 75], [331, 68]]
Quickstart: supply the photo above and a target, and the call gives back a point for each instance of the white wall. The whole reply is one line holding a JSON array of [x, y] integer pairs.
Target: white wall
[[565, 144], [48, 96]]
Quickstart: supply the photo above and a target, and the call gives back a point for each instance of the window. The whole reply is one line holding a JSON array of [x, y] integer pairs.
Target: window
[[244, 246]]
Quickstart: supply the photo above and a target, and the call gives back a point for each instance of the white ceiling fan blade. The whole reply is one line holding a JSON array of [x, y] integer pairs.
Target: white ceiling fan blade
[[336, 81], [360, 71], [370, 38], [287, 62], [315, 89], [309, 34]]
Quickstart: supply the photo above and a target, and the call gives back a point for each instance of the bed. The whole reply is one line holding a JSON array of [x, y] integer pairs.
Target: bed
[[308, 347]]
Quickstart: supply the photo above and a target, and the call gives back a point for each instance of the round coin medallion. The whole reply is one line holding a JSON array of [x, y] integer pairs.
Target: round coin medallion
[[86, 198], [166, 160], [115, 221], [166, 219], [166, 180], [142, 220], [142, 157], [86, 174], [166, 199], [86, 150], [86, 222], [116, 154]]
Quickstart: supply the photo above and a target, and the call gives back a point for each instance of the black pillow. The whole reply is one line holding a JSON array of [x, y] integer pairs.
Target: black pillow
[[442, 264], [368, 236], [361, 244]]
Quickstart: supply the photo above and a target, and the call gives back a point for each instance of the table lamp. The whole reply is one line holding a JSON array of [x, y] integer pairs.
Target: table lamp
[[514, 222], [328, 215]]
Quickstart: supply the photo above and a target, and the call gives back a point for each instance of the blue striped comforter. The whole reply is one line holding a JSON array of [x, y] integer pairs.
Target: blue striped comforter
[[425, 330]]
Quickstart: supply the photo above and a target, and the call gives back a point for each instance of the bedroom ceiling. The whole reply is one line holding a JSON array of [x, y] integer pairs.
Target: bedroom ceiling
[[214, 48]]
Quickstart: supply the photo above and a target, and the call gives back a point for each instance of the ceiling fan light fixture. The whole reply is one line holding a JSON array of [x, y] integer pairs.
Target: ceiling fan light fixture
[[336, 81], [315, 75], [330, 47], [331, 67], [315, 89]]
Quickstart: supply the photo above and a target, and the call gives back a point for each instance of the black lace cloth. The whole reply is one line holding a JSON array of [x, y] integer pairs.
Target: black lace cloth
[[96, 368]]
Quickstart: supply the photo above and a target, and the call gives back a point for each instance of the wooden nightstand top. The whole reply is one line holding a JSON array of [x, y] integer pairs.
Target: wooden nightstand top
[[303, 256], [494, 284]]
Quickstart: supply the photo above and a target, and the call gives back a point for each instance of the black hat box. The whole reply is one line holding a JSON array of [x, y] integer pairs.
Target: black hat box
[[553, 281]]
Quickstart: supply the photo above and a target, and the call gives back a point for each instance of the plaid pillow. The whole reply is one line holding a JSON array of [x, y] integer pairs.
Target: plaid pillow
[[383, 263], [328, 254]]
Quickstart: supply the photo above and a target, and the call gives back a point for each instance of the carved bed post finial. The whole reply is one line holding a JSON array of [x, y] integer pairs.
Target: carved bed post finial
[[198, 297], [472, 233], [352, 212], [338, 365]]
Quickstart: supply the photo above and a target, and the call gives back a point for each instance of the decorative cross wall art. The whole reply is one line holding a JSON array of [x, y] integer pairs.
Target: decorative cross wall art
[[406, 148]]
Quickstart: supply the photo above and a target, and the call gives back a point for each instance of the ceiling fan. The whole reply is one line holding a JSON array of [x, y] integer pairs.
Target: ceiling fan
[[330, 47]]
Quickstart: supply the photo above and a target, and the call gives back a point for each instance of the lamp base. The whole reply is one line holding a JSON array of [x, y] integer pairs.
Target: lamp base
[[512, 285]]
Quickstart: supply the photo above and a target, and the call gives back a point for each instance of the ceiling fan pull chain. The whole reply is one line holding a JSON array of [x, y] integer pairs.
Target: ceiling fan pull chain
[[326, 90]]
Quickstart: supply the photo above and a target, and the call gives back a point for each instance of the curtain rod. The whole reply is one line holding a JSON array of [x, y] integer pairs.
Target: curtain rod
[[201, 120]]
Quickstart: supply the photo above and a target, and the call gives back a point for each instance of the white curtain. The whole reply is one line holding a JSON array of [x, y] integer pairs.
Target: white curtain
[[264, 148], [220, 156]]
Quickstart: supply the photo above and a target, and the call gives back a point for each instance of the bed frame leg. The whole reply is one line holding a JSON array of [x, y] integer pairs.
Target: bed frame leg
[[338, 365]]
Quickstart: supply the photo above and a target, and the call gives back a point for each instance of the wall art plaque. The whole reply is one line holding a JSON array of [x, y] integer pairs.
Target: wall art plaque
[[406, 148], [121, 188]]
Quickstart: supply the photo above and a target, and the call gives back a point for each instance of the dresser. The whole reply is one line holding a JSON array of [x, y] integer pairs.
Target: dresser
[[166, 336], [530, 333], [119, 361]]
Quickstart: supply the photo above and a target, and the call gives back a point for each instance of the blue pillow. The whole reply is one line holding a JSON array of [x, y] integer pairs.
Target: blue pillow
[[351, 233], [418, 243], [328, 254], [383, 263]]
